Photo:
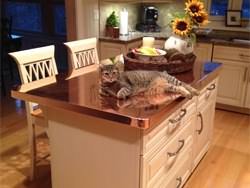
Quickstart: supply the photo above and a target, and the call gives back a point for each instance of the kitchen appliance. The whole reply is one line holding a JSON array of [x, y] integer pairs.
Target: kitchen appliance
[[148, 19]]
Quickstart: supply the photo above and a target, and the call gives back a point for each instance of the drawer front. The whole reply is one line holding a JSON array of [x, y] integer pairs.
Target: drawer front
[[163, 161], [208, 93], [232, 53], [162, 133], [180, 174]]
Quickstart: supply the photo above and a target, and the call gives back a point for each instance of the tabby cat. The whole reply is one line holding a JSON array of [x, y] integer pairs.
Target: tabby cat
[[130, 83]]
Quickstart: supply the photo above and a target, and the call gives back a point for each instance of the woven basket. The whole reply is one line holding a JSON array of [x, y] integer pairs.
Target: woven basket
[[174, 62]]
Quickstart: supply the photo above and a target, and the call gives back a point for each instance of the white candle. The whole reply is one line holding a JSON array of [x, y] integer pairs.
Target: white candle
[[148, 42], [124, 22]]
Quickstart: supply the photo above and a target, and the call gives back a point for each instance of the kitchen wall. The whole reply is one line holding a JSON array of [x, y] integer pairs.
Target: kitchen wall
[[134, 9], [107, 8], [165, 10]]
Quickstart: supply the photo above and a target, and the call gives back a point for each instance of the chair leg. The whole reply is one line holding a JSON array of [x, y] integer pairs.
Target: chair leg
[[33, 153]]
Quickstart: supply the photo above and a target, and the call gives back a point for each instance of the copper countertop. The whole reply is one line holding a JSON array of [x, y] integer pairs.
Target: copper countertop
[[81, 95]]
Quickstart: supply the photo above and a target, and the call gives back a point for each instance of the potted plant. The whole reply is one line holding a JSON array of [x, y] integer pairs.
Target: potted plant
[[112, 29]]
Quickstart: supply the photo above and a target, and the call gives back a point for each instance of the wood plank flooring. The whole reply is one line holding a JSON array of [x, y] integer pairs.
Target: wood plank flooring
[[226, 165]]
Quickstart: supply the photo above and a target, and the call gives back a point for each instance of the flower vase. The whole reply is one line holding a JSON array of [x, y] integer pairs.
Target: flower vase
[[182, 44]]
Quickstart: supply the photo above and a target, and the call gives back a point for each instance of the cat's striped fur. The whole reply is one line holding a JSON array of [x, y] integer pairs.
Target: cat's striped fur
[[130, 83]]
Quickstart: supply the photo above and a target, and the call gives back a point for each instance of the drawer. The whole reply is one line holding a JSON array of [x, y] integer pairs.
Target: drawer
[[208, 93], [180, 174], [156, 166], [160, 134], [231, 53]]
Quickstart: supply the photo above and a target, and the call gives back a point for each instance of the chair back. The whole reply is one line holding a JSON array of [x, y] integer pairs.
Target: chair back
[[83, 56], [37, 67]]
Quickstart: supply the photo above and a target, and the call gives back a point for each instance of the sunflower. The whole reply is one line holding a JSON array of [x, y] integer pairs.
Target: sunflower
[[181, 26], [194, 7], [201, 19]]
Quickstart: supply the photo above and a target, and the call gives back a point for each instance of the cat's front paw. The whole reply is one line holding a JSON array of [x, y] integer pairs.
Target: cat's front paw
[[123, 93]]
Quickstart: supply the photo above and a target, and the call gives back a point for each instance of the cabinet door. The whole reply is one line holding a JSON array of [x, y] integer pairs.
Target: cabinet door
[[232, 83], [108, 49], [203, 51], [203, 128]]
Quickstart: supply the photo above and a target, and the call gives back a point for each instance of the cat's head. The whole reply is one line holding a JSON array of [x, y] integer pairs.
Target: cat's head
[[109, 73]]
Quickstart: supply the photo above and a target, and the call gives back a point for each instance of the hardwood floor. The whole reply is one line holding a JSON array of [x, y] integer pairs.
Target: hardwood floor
[[226, 165]]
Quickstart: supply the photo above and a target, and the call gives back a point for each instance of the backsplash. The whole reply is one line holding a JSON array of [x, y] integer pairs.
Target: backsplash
[[165, 10], [107, 8]]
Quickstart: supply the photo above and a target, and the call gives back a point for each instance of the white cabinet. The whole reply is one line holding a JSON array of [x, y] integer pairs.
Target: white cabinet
[[203, 51], [204, 121], [234, 82], [174, 148]]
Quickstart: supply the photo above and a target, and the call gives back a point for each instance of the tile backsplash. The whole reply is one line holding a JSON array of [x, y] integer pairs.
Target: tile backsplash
[[107, 8], [165, 10]]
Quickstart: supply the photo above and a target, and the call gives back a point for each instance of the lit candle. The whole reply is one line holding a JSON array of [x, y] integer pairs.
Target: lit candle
[[148, 42]]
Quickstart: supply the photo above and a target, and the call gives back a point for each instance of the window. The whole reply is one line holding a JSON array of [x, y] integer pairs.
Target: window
[[46, 17], [246, 9], [59, 19], [218, 7], [25, 16]]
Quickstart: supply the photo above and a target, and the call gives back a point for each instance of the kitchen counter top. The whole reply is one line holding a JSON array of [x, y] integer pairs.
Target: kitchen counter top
[[81, 95], [215, 37]]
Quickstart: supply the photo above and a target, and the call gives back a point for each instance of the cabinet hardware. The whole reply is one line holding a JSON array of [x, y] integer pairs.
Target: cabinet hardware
[[179, 180], [201, 129], [178, 150], [243, 55], [211, 87], [181, 115]]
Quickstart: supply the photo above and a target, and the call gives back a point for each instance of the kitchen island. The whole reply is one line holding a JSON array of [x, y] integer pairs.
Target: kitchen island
[[140, 142]]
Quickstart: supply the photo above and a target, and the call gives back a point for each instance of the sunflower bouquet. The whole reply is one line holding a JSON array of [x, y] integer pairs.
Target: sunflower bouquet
[[194, 16]]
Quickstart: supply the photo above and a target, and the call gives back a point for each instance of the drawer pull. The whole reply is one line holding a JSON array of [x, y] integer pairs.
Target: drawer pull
[[181, 115], [211, 87], [201, 129], [179, 180], [243, 55], [178, 150]]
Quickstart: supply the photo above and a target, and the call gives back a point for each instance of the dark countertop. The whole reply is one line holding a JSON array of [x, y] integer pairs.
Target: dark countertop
[[81, 95], [215, 37]]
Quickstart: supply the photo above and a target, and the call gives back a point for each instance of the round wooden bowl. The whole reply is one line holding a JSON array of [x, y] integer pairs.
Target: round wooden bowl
[[173, 62]]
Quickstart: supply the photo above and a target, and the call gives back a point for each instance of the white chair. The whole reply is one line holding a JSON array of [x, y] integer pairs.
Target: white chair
[[83, 56], [37, 68]]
